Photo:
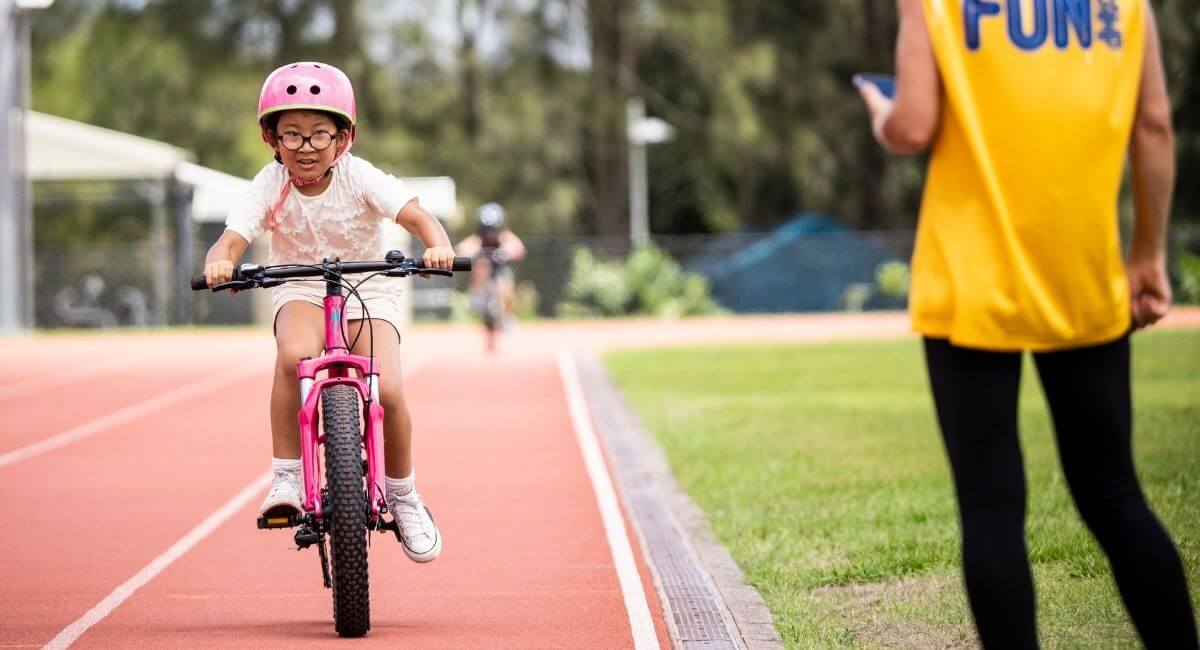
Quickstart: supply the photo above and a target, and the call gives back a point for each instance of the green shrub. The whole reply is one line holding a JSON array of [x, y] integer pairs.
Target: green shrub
[[648, 283], [855, 296], [1187, 266], [528, 301], [892, 279]]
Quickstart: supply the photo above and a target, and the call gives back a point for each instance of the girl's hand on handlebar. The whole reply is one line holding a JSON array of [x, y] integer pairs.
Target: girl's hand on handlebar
[[218, 272], [439, 257]]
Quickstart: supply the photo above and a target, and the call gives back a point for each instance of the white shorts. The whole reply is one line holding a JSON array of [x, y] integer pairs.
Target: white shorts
[[382, 301]]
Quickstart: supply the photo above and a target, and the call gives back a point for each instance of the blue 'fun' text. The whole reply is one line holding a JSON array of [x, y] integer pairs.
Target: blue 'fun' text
[[1067, 19]]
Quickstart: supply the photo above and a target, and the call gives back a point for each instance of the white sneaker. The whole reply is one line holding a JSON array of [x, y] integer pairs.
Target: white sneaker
[[421, 538], [286, 496]]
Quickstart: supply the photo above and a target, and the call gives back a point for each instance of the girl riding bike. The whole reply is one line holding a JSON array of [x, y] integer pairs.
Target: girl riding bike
[[319, 202]]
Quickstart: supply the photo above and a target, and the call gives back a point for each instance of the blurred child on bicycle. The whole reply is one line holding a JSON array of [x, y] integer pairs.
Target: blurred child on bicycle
[[307, 115], [492, 247]]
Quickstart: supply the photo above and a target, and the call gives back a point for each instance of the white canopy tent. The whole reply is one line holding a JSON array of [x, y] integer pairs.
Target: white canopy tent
[[59, 149]]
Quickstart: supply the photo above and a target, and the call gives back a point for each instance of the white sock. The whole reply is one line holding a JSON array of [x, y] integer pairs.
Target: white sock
[[400, 486], [290, 465]]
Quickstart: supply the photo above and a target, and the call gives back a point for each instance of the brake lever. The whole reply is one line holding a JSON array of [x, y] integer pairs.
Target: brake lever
[[236, 285], [405, 271], [444, 272]]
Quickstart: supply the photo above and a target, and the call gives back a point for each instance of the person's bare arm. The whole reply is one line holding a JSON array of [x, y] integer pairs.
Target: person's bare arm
[[1152, 159], [221, 258], [514, 248], [907, 124], [468, 247], [439, 254]]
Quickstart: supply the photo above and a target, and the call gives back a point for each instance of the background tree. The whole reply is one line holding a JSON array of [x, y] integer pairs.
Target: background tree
[[523, 101]]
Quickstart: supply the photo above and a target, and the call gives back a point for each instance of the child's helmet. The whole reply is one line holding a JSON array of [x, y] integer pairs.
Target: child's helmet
[[491, 215], [308, 85]]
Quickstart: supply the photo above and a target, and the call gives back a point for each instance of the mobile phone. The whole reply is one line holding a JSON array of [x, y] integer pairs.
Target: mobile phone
[[885, 83]]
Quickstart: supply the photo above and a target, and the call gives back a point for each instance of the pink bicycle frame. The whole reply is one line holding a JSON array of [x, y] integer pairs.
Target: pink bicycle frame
[[338, 361]]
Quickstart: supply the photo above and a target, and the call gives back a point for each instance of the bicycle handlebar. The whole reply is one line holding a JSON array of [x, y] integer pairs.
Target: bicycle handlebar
[[251, 276]]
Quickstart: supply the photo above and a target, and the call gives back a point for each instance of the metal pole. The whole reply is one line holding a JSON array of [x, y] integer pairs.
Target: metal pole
[[639, 212], [181, 205], [161, 247], [16, 244], [23, 180]]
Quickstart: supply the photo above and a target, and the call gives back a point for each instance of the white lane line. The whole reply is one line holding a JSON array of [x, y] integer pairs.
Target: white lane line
[[119, 595], [122, 593], [129, 413], [66, 377], [614, 524]]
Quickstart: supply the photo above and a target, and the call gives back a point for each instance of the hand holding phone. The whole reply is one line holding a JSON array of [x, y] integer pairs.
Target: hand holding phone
[[885, 83]]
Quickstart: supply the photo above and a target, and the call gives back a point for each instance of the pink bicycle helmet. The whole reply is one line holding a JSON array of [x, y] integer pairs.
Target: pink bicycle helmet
[[308, 86]]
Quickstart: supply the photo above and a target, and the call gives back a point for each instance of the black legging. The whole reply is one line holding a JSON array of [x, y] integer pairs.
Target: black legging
[[1088, 391]]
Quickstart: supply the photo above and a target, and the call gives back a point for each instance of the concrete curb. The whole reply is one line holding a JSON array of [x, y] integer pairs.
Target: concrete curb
[[705, 599]]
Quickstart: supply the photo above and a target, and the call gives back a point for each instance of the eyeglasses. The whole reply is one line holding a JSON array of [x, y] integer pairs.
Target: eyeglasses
[[292, 141]]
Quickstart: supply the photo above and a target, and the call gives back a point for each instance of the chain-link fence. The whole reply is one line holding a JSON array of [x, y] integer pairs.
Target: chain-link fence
[[776, 272], [102, 285], [746, 273], [780, 271]]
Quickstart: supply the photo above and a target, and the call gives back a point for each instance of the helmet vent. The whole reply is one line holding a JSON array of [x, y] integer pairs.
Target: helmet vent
[[316, 90], [291, 90]]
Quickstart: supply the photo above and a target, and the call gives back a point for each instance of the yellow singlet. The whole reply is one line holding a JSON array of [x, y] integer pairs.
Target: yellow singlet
[[1018, 245]]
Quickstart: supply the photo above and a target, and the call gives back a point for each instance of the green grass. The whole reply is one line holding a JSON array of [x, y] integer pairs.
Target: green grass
[[821, 468]]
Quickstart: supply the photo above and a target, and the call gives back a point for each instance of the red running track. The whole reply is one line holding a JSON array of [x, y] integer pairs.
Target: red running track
[[526, 561]]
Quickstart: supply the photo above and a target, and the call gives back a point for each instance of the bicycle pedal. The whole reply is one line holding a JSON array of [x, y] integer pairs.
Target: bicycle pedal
[[280, 521], [392, 526], [306, 537]]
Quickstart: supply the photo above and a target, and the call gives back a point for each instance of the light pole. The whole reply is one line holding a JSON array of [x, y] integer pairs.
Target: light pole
[[642, 131], [16, 223]]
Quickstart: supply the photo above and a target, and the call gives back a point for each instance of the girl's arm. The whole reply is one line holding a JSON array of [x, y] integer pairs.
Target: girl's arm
[[439, 254], [221, 258]]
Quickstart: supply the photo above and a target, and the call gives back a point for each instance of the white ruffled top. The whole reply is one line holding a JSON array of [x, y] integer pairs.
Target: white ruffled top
[[344, 221]]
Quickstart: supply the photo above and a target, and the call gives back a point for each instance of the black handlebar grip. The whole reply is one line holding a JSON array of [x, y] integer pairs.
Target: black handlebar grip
[[461, 264], [199, 282]]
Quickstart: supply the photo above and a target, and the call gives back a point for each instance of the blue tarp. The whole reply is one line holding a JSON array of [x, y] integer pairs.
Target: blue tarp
[[806, 264]]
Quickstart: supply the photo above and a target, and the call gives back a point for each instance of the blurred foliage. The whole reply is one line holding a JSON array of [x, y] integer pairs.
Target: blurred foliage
[[892, 278], [515, 98], [528, 301], [647, 283], [1187, 267]]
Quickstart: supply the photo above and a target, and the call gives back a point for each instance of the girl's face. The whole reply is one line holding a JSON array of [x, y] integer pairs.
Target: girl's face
[[307, 142]]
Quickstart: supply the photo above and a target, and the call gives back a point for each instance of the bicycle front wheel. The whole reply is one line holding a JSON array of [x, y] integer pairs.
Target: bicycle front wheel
[[346, 511]]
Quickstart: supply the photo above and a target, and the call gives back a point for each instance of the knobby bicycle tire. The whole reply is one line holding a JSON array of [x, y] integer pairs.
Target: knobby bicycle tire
[[346, 511]]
